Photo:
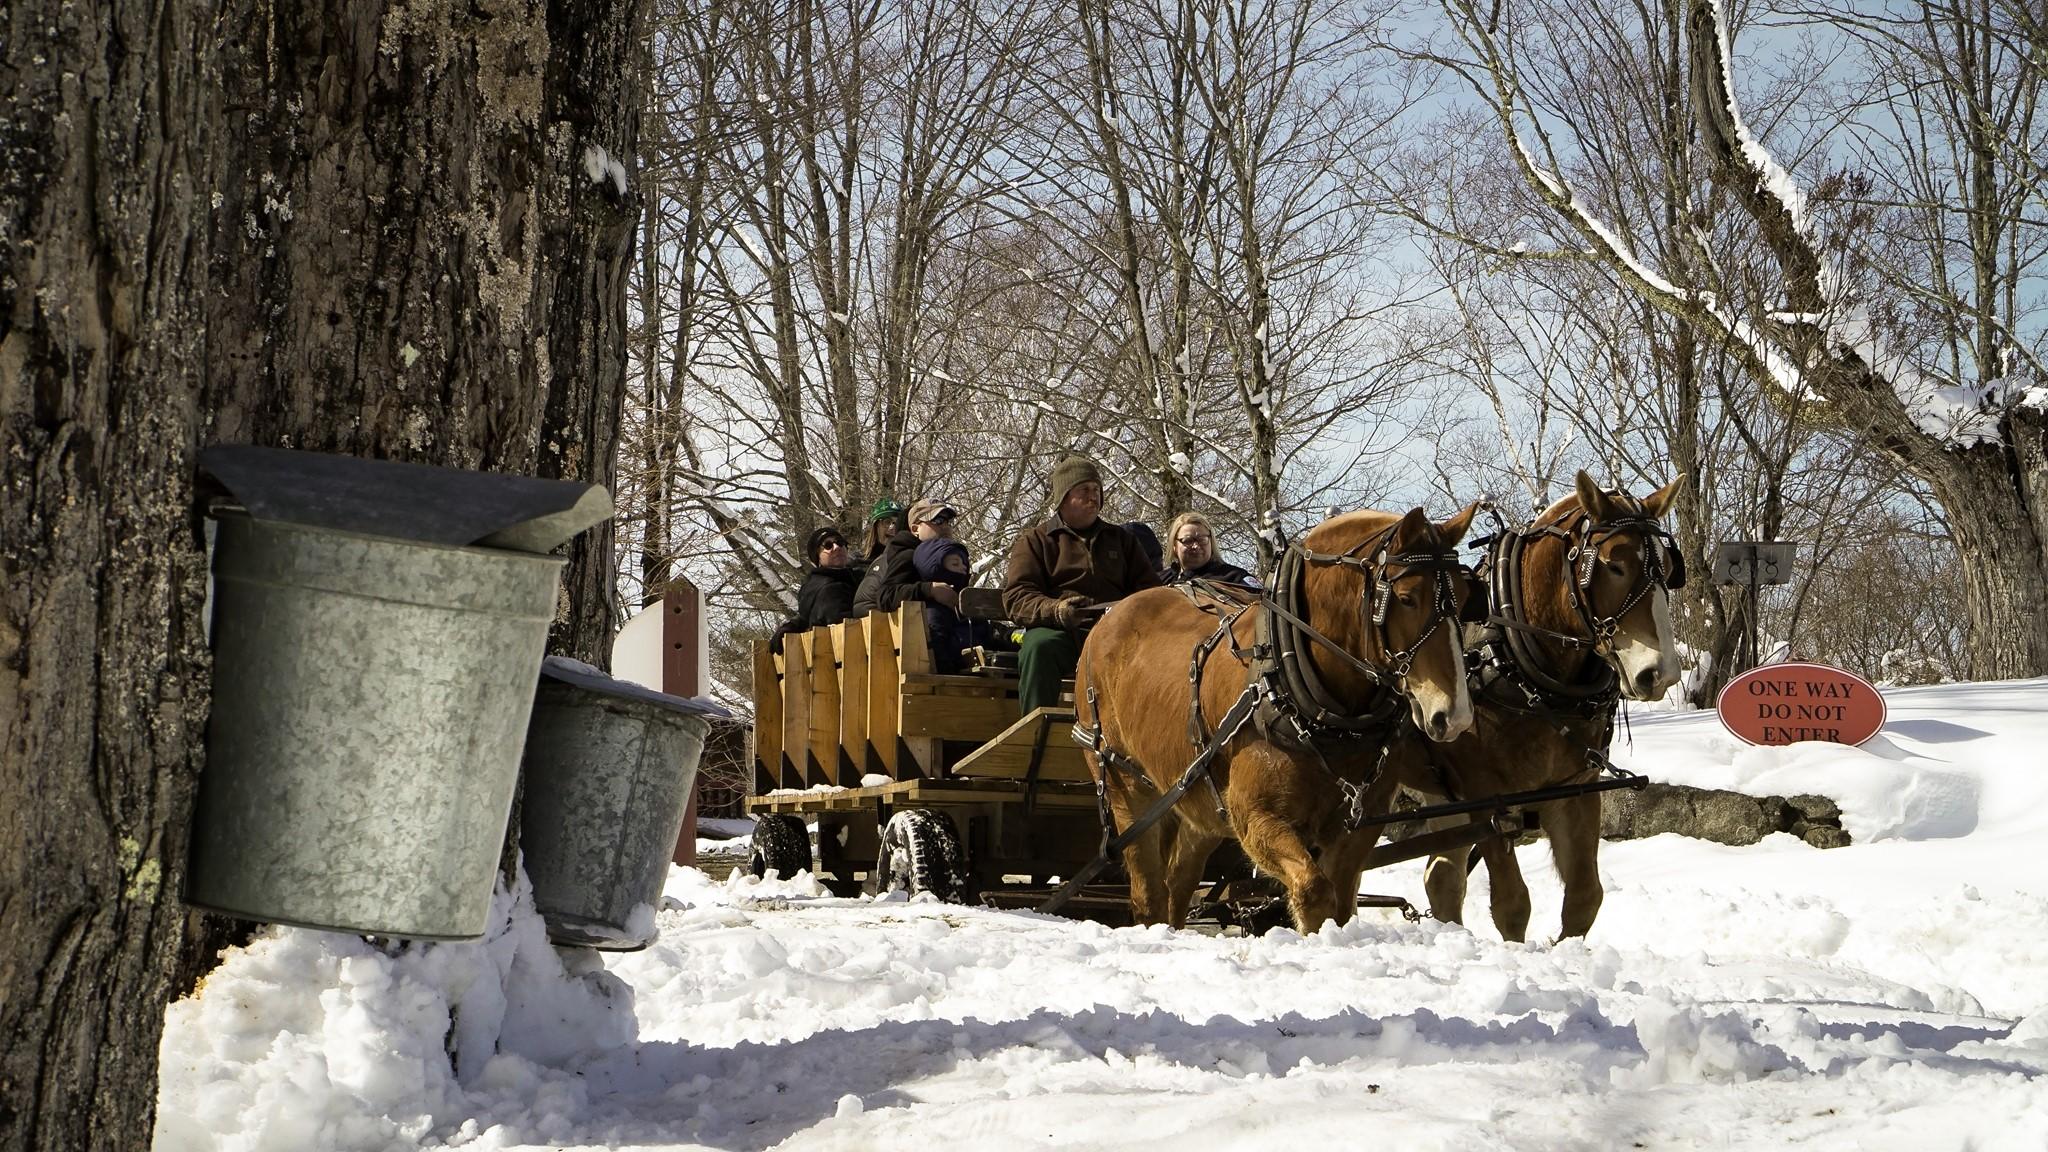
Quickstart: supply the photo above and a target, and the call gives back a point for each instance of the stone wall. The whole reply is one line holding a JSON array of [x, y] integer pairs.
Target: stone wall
[[1720, 816]]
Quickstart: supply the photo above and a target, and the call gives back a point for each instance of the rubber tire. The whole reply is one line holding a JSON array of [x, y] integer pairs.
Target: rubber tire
[[921, 852], [781, 842]]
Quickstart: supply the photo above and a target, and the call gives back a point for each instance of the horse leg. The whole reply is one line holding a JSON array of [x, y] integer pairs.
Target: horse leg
[[1344, 860], [1144, 858], [1278, 848], [1443, 878], [1510, 893], [1574, 829], [1184, 865], [1344, 864]]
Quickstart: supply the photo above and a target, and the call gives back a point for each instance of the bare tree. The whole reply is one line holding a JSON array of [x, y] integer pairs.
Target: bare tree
[[1942, 387]]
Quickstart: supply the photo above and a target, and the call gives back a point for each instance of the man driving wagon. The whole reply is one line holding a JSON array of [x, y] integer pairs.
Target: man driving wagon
[[1059, 570]]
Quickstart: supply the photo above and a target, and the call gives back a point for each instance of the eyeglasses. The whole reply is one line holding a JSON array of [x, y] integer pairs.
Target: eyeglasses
[[829, 545], [1186, 540]]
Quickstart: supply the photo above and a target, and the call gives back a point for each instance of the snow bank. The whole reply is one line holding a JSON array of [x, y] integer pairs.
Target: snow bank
[[1890, 994]]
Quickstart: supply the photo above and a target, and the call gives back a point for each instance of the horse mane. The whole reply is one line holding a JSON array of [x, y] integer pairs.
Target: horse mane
[[1347, 530]]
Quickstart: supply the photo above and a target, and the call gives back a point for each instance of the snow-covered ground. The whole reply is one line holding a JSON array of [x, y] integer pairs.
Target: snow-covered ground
[[1888, 995]]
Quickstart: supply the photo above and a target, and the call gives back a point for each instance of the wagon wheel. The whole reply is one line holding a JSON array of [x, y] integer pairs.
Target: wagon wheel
[[781, 843], [921, 852]]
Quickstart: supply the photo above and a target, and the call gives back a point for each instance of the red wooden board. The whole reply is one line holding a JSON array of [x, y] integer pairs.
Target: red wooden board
[[1787, 703]]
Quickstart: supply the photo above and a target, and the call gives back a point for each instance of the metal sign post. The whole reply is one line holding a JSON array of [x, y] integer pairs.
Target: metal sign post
[[1751, 564]]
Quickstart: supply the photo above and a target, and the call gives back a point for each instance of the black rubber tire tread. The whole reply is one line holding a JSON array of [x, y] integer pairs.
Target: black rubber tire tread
[[921, 852], [781, 842]]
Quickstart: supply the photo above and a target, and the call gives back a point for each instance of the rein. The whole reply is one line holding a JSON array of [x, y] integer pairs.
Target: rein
[[1281, 683]]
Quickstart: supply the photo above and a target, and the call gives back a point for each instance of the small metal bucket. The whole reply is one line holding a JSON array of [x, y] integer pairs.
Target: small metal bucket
[[370, 699], [608, 776]]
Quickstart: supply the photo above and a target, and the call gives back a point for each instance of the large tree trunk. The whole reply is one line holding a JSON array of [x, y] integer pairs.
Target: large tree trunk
[[1995, 497], [375, 277], [595, 76], [105, 169]]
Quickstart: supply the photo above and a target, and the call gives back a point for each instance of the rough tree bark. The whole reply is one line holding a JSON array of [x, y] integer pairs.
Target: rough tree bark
[[106, 160], [348, 228]]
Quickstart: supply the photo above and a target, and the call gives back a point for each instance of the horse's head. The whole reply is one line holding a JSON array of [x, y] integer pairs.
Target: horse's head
[[1620, 569], [1418, 595]]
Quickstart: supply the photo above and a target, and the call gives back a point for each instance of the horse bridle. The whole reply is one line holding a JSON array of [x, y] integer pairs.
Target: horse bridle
[[1377, 593], [1663, 566]]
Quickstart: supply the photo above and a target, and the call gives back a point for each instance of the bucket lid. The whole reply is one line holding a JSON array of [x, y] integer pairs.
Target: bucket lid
[[586, 676], [404, 501]]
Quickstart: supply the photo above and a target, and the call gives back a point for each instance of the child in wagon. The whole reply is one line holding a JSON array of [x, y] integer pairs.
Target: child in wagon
[[943, 560]]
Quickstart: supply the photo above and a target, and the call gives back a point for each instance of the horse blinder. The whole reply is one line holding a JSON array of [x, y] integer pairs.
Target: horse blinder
[[1478, 607]]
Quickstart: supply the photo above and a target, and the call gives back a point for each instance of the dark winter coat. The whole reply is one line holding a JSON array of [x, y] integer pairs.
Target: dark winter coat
[[891, 578], [947, 630], [1217, 569], [826, 596], [1052, 561]]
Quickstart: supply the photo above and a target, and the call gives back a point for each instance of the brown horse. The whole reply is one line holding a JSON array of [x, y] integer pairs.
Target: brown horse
[[1583, 591], [1382, 589]]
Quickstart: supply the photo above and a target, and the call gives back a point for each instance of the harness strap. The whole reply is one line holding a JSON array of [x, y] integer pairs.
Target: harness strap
[[1114, 842]]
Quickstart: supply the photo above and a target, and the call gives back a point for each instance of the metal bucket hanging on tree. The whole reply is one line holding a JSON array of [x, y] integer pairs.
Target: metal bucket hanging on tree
[[377, 631], [609, 770]]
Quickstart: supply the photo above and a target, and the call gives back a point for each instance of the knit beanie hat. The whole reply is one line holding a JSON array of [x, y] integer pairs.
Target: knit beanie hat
[[930, 559], [817, 539], [1070, 472]]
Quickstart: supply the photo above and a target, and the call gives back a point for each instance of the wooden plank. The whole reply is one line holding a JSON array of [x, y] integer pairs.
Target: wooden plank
[[850, 640], [937, 685], [920, 753], [975, 718], [822, 744], [796, 708], [1008, 756], [767, 720], [883, 700], [913, 646], [928, 793]]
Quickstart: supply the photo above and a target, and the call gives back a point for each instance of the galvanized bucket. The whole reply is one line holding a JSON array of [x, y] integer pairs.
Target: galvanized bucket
[[608, 776], [370, 699]]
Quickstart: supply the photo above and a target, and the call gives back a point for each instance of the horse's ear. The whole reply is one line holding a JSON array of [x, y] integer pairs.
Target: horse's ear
[[1591, 498], [1414, 526], [1659, 502], [1451, 532]]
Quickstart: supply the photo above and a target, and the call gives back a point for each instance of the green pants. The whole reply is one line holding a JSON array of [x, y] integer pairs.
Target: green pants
[[1046, 657]]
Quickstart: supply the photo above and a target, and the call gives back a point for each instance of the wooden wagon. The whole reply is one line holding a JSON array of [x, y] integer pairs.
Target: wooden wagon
[[855, 732], [923, 781]]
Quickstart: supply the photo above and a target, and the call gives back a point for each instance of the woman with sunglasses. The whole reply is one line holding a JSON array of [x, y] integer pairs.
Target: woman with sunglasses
[[826, 595]]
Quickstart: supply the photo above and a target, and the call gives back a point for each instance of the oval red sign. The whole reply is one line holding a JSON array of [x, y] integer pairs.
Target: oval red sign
[[1788, 703]]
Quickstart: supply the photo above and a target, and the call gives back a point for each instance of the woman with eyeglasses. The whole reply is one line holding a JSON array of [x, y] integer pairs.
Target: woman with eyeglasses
[[1194, 554]]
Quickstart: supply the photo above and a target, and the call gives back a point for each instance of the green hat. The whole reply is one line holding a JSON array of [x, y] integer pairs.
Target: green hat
[[884, 508], [1070, 472]]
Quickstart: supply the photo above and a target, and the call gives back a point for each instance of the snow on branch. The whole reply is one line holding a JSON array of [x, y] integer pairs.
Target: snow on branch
[[1954, 412]]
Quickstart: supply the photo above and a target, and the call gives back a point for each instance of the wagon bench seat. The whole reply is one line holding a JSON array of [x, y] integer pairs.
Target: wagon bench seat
[[842, 704]]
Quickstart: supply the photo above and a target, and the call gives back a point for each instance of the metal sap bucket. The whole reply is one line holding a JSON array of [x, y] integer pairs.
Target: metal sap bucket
[[370, 698], [609, 771]]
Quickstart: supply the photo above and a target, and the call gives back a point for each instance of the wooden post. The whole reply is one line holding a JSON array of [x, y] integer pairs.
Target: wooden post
[[683, 674]]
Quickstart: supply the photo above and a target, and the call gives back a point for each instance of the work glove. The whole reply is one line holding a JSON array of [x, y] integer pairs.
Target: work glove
[[1068, 611]]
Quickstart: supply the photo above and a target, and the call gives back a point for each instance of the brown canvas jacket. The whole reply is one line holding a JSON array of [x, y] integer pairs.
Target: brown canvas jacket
[[1052, 561]]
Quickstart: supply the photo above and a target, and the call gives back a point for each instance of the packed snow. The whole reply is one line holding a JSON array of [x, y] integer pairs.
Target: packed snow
[[1892, 994]]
